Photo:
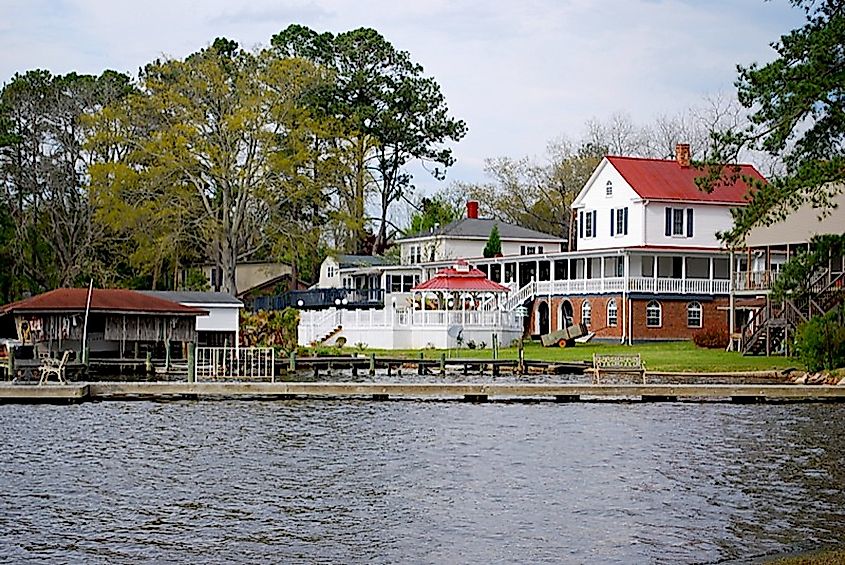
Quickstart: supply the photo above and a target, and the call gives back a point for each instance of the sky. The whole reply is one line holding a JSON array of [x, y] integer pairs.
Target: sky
[[519, 73]]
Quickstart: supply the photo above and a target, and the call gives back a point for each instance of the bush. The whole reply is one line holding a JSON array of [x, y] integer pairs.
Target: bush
[[712, 338], [820, 343], [276, 328]]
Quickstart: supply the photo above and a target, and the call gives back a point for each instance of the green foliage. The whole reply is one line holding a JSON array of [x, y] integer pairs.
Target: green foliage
[[195, 279], [494, 243], [386, 113], [798, 116], [799, 272], [274, 328], [711, 338], [434, 211], [820, 342]]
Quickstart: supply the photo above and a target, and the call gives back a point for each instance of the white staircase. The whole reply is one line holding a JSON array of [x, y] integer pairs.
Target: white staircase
[[517, 298]]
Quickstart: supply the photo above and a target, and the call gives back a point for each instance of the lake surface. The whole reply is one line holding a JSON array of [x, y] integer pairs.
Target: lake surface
[[418, 482]]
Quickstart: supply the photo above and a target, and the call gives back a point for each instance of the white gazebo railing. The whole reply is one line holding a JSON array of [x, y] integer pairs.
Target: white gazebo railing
[[242, 363]]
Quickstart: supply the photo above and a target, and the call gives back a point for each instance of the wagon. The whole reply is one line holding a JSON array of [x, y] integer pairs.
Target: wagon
[[565, 337]]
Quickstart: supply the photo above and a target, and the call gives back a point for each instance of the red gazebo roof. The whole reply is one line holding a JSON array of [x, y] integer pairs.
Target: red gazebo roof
[[460, 277]]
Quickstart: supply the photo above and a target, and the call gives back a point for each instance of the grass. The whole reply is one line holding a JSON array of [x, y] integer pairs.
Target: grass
[[832, 557], [678, 356]]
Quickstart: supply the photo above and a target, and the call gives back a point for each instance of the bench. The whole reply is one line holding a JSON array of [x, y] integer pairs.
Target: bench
[[50, 366], [616, 364]]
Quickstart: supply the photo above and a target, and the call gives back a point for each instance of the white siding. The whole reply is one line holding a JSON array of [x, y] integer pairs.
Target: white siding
[[595, 198], [330, 265], [449, 249], [219, 319], [707, 220]]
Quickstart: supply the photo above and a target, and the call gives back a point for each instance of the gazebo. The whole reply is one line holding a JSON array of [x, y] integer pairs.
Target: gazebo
[[460, 287]]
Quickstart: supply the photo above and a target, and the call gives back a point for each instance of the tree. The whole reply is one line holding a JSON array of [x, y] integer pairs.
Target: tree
[[216, 157], [433, 212], [494, 243], [387, 114], [798, 115], [536, 195], [44, 168]]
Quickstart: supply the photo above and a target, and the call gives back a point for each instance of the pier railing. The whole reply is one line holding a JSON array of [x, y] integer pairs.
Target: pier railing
[[238, 363]]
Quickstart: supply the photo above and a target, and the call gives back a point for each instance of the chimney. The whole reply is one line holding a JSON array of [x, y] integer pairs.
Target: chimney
[[472, 209], [682, 155]]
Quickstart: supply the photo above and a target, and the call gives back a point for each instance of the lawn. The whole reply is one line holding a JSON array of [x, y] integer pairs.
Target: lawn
[[663, 356]]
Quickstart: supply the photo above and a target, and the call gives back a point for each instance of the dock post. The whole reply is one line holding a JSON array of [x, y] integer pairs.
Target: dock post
[[85, 354], [192, 367], [442, 364], [292, 362], [420, 366], [372, 364], [148, 363], [520, 366], [167, 355], [11, 360], [316, 370]]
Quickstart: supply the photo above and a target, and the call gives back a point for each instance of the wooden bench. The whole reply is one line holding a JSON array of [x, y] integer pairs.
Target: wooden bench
[[50, 366], [616, 364]]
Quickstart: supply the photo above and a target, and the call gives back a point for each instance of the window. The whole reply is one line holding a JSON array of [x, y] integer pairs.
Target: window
[[395, 283], [331, 271], [416, 254], [679, 222], [620, 267], [653, 314], [407, 283], [530, 250], [587, 224], [586, 313], [540, 249], [609, 188], [694, 315], [619, 221], [522, 250], [612, 313]]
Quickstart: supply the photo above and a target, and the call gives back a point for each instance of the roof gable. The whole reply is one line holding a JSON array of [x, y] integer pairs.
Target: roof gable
[[665, 179]]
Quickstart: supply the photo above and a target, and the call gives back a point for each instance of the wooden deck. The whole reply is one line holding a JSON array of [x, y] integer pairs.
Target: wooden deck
[[472, 392]]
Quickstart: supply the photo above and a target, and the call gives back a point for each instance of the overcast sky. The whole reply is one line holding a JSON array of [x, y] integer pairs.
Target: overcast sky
[[520, 73]]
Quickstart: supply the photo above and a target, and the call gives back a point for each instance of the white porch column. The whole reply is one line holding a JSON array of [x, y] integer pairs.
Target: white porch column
[[683, 274], [732, 299], [654, 272]]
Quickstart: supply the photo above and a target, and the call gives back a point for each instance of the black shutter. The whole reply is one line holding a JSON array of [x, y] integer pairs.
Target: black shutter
[[625, 221], [581, 224], [668, 222], [689, 222], [595, 224], [612, 222]]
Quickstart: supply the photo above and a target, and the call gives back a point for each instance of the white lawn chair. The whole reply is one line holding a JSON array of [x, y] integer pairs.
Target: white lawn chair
[[50, 366]]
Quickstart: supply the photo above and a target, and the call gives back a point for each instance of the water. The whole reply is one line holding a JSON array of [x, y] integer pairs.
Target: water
[[418, 482]]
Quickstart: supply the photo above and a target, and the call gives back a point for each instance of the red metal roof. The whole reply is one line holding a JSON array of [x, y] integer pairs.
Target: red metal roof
[[461, 277], [102, 300], [665, 179]]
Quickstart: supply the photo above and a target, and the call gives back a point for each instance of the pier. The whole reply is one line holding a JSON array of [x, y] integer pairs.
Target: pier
[[469, 392]]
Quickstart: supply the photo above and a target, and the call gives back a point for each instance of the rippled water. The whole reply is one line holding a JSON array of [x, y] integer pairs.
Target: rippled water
[[418, 482]]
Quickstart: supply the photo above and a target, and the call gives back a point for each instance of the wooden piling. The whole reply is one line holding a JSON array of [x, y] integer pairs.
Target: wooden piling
[[192, 363], [292, 362], [442, 364], [420, 366], [372, 364]]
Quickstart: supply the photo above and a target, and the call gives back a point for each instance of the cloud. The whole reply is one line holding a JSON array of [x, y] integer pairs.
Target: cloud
[[307, 12]]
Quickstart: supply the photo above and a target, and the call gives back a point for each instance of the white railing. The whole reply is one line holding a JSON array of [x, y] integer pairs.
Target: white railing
[[387, 319], [316, 325], [240, 363], [517, 298], [679, 286], [755, 280]]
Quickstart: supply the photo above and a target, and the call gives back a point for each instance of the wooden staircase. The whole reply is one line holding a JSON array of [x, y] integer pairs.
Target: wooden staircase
[[769, 328], [334, 331]]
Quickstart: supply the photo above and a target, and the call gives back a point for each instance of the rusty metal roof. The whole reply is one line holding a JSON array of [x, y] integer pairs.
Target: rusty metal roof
[[102, 300]]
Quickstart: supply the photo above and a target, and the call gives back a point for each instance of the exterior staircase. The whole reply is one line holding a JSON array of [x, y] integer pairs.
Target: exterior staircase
[[519, 297], [333, 332], [768, 329]]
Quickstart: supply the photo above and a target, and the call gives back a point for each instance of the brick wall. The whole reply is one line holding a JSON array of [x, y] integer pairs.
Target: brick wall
[[673, 320]]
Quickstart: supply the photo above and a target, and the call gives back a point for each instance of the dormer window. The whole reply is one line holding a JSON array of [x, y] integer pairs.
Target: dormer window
[[608, 189]]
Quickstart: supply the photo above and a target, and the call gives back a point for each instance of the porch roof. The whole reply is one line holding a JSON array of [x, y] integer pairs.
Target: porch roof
[[102, 300]]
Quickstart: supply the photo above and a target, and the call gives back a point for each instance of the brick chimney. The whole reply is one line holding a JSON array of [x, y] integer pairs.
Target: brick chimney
[[472, 209], [682, 155]]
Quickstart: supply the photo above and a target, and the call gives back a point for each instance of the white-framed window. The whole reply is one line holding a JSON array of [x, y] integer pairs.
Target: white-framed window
[[608, 189], [612, 313], [331, 271], [679, 222], [416, 254], [586, 313], [694, 318], [619, 221], [653, 314]]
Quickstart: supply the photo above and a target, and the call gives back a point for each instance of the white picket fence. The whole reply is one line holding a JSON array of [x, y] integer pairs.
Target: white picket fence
[[235, 363]]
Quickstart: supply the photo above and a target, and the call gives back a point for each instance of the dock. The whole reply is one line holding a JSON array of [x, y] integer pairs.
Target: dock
[[468, 392]]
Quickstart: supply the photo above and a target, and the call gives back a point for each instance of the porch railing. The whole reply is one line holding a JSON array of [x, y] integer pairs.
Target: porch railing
[[240, 363]]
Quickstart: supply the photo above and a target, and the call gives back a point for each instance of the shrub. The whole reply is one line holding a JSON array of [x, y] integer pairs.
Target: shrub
[[276, 328], [711, 338], [820, 343]]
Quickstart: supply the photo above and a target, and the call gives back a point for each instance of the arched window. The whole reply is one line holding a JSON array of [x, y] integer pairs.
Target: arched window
[[586, 313], [653, 314], [609, 188], [694, 315], [612, 313]]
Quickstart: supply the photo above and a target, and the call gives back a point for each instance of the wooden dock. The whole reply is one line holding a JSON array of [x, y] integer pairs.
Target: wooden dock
[[471, 392]]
